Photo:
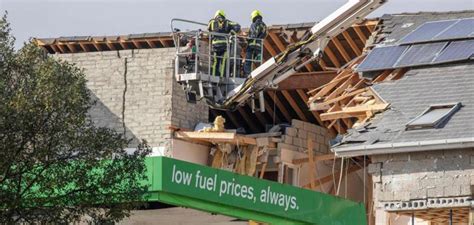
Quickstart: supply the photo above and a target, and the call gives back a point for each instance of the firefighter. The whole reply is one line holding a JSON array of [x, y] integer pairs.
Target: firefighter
[[219, 24], [257, 32]]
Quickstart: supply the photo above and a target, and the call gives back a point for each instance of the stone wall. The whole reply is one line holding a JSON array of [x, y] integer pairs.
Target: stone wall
[[422, 175], [136, 92]]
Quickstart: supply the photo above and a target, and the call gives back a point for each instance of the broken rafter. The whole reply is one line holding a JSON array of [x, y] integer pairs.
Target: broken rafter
[[294, 106], [307, 80], [341, 49], [351, 43], [355, 111], [270, 50], [323, 90], [326, 104], [280, 106], [360, 34], [332, 57]]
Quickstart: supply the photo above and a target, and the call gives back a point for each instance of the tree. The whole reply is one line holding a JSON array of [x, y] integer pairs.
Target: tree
[[55, 165]]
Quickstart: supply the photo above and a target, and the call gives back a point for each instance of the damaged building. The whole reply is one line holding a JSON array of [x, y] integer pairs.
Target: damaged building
[[385, 118]]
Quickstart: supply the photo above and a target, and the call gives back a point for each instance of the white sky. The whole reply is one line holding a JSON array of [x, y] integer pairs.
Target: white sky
[[55, 18]]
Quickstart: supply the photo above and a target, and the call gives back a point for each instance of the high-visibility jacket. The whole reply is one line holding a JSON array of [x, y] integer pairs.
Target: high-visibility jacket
[[258, 30], [224, 26]]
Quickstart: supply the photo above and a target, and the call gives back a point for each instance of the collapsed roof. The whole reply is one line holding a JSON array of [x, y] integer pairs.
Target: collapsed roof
[[281, 105], [419, 93]]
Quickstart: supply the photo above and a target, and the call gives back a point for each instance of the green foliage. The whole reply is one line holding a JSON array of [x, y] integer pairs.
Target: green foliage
[[55, 165]]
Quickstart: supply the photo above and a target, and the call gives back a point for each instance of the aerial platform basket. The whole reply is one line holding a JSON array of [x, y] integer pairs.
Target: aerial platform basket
[[194, 64]]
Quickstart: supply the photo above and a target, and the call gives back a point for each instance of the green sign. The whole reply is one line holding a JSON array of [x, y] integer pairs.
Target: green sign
[[218, 191]]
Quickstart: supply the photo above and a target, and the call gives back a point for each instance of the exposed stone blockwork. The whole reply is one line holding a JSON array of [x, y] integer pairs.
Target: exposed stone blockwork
[[138, 87], [422, 175], [297, 135]]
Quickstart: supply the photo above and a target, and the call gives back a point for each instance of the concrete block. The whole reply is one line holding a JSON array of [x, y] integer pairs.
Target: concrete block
[[399, 157], [386, 196], [319, 138], [297, 124], [311, 136], [418, 194], [302, 134], [290, 131], [435, 191], [310, 127], [321, 130], [374, 168], [402, 195], [465, 190], [379, 158], [417, 156], [287, 139], [452, 190], [324, 148], [297, 142]]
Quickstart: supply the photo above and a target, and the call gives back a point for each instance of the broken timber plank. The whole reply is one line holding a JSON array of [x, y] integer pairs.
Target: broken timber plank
[[262, 172], [353, 111], [325, 105], [215, 137]]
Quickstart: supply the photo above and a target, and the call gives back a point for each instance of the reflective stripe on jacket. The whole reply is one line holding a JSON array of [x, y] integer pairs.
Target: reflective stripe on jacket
[[258, 30], [224, 26]]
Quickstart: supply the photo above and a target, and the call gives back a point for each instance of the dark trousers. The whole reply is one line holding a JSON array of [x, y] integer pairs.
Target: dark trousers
[[219, 61], [253, 54]]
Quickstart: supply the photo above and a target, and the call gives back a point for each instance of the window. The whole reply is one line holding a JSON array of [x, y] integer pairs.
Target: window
[[434, 116], [289, 174]]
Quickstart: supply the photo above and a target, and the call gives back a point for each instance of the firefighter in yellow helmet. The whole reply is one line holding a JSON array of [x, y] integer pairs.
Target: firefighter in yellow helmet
[[219, 24], [257, 32]]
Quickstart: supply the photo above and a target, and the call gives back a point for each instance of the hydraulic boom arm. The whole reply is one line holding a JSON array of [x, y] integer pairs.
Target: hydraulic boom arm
[[287, 63]]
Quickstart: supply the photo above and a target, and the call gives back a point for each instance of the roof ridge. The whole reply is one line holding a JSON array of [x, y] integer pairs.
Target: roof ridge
[[432, 13]]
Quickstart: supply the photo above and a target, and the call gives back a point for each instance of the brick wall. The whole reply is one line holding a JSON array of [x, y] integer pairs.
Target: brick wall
[[138, 87], [422, 175]]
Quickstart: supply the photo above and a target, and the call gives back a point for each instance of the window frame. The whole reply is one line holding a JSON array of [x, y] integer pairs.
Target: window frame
[[455, 106]]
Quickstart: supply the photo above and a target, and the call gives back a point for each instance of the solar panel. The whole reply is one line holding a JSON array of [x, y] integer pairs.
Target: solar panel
[[462, 29], [381, 58], [456, 50], [427, 31], [420, 54]]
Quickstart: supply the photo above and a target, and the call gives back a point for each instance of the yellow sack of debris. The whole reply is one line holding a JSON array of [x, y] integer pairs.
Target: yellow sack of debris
[[218, 125]]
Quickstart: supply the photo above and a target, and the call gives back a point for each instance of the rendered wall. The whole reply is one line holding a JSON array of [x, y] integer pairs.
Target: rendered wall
[[136, 92]]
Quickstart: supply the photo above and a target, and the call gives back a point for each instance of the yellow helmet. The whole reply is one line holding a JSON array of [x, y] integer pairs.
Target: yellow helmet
[[255, 13], [219, 12]]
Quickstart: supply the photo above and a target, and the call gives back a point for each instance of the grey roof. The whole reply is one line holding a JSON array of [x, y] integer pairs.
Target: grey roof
[[414, 93], [410, 96], [393, 27]]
